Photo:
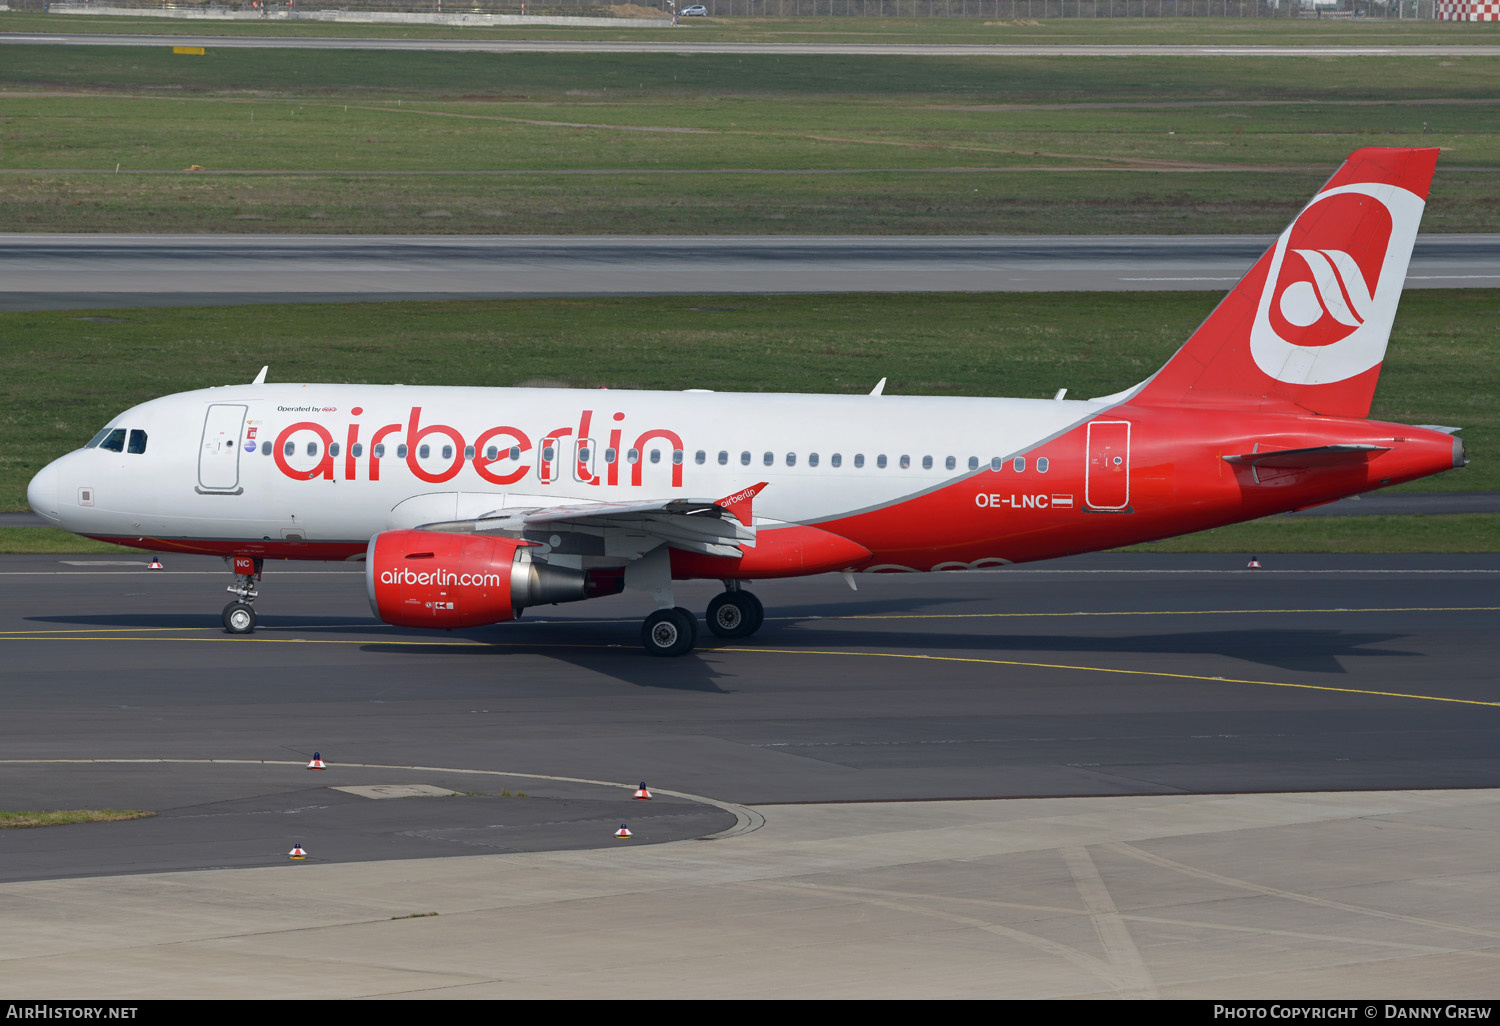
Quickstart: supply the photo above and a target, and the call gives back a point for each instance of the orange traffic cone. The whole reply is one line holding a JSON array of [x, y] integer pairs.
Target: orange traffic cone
[[297, 852], [317, 761], [623, 833], [1254, 564], [641, 794], [155, 563]]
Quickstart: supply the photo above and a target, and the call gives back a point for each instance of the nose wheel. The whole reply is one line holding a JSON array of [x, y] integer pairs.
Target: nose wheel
[[735, 614], [239, 616]]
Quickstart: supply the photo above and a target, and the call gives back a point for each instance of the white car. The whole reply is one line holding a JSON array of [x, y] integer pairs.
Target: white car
[[694, 11]]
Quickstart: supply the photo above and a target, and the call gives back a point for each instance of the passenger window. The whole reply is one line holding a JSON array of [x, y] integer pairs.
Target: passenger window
[[677, 457], [1020, 464], [950, 463], [609, 455], [633, 456], [549, 453], [723, 458], [584, 454], [1041, 464], [265, 450], [333, 449], [114, 441], [401, 451], [357, 450], [423, 451], [700, 457], [769, 459], [492, 453], [836, 459], [137, 441], [379, 450], [312, 448], [744, 459], [880, 461], [468, 452], [859, 460], [791, 459], [812, 459], [447, 452], [973, 462], [655, 455], [515, 452]]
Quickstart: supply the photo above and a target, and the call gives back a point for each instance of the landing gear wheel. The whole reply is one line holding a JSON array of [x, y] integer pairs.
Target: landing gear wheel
[[239, 618], [735, 614], [669, 632]]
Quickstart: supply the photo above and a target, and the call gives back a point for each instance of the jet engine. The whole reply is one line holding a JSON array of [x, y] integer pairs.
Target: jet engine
[[440, 579]]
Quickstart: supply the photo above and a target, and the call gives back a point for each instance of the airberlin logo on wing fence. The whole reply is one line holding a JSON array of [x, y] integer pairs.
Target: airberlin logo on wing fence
[[499, 455], [406, 575], [1330, 294]]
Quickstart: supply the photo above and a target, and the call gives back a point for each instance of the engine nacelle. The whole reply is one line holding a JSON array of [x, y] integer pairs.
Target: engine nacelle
[[440, 579]]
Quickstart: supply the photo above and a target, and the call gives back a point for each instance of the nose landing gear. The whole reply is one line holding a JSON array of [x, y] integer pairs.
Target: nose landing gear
[[239, 617]]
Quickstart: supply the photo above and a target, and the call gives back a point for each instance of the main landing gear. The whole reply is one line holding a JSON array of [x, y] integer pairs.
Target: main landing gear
[[674, 631], [239, 617]]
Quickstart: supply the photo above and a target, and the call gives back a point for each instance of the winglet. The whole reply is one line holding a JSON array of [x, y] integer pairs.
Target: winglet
[[739, 502], [260, 379]]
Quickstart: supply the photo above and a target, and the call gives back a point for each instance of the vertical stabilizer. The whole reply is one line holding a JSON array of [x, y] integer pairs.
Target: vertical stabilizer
[[1308, 325]]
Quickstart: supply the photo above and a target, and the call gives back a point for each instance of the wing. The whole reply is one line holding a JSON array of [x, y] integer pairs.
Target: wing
[[618, 532]]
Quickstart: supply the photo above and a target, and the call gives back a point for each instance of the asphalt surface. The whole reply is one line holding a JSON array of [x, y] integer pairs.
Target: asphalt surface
[[1100, 675], [46, 271], [783, 49]]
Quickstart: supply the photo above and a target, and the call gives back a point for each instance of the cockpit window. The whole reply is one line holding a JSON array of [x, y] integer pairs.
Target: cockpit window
[[101, 436], [137, 441], [114, 441]]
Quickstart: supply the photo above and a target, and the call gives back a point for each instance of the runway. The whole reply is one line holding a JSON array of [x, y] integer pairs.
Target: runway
[[43, 271], [1245, 755], [780, 49], [1101, 675]]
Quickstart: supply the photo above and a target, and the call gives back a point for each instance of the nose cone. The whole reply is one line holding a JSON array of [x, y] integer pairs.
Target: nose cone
[[41, 493]]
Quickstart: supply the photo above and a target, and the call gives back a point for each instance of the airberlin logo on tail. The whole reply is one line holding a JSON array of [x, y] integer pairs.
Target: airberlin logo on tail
[[1337, 292], [1330, 294]]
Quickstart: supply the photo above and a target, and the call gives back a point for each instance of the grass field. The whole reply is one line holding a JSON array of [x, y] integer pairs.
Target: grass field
[[70, 372], [99, 139]]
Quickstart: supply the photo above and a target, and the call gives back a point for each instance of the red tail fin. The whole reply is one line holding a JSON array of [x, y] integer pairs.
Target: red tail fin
[[1308, 326]]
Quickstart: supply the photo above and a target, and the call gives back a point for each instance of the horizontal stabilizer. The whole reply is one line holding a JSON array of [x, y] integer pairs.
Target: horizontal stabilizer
[[1315, 456]]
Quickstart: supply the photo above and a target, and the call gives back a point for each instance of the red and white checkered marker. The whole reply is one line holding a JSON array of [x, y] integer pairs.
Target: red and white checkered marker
[[623, 833], [317, 761], [641, 794], [1254, 563], [155, 564], [1467, 10], [297, 852]]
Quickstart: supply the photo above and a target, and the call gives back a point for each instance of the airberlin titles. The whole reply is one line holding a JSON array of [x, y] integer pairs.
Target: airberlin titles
[[506, 442]]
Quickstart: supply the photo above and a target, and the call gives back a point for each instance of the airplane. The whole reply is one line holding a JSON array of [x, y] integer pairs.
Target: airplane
[[469, 505]]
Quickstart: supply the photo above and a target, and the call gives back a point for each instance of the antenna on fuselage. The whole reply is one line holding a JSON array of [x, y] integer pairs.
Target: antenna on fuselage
[[879, 387], [1060, 393], [260, 379]]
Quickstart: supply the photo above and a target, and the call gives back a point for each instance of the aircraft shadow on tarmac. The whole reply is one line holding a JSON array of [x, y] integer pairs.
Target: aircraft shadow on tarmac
[[1305, 650], [610, 646]]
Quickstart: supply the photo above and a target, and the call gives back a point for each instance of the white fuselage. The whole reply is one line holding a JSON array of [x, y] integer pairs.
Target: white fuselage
[[340, 463]]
